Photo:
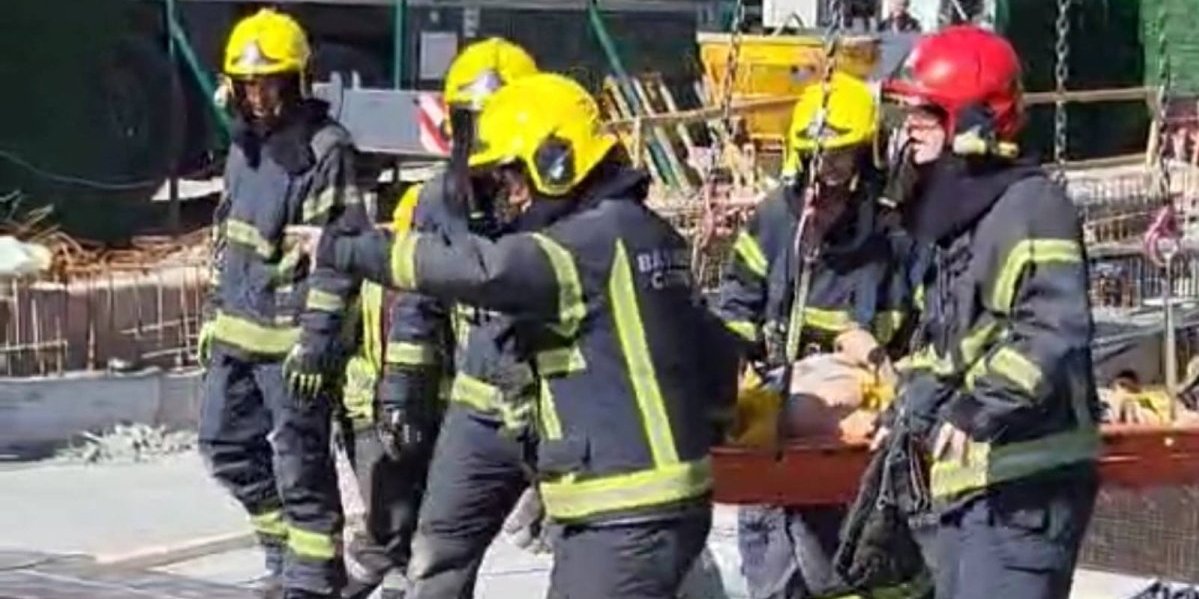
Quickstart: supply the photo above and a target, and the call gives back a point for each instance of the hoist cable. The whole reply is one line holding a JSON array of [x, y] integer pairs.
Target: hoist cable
[[1061, 73], [707, 225], [802, 256]]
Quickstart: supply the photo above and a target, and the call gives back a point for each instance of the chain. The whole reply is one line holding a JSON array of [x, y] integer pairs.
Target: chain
[[708, 226], [1062, 75], [1164, 76], [832, 43], [730, 67], [803, 257]]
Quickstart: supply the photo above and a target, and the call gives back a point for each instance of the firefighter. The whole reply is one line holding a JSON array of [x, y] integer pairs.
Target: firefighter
[[854, 294], [288, 164], [392, 401], [628, 363], [479, 467], [1001, 379]]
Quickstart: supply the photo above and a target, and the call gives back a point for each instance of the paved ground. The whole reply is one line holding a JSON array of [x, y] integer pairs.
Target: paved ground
[[121, 508]]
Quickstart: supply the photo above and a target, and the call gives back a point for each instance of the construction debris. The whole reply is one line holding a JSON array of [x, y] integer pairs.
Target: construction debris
[[128, 443]]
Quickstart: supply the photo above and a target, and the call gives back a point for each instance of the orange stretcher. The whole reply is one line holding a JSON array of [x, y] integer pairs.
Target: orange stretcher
[[816, 472]]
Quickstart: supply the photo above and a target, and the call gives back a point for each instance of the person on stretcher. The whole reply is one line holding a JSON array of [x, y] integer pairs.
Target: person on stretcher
[[829, 310]]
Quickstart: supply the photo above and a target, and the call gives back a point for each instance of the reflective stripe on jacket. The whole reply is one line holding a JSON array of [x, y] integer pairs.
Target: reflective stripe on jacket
[[629, 362], [474, 347], [300, 175], [863, 287], [1004, 352]]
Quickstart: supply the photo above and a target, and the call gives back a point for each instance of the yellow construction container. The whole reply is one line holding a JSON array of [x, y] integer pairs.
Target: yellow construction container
[[779, 66]]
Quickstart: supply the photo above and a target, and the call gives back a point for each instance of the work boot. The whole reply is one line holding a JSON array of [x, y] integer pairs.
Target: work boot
[[359, 589], [268, 586], [302, 594]]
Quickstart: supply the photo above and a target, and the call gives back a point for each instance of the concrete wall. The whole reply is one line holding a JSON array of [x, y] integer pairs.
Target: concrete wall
[[37, 414]]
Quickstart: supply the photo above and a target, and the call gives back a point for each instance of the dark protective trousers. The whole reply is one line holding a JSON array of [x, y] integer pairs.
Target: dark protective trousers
[[391, 493], [475, 479], [273, 454], [1019, 539], [644, 560], [786, 553]]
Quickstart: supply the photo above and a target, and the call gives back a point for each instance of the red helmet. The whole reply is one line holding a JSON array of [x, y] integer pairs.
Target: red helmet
[[960, 68]]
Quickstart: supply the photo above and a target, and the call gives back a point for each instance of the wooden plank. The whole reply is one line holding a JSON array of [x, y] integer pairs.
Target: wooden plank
[[671, 106], [627, 115], [659, 133], [172, 553], [1134, 457], [751, 105], [1093, 96]]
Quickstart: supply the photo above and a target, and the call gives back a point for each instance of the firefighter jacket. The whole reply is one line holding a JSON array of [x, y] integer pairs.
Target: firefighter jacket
[[858, 279], [474, 346], [628, 360], [300, 174], [1003, 351]]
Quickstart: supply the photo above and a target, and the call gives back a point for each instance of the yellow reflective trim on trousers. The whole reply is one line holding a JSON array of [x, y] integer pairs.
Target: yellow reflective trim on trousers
[[926, 358], [560, 361], [403, 261], [1013, 366], [975, 343], [750, 252], [318, 205], [312, 545], [985, 465], [269, 523], [475, 393], [370, 297], [243, 233], [406, 353], [285, 271], [633, 344], [460, 323], [886, 323], [744, 329], [571, 308], [551, 426], [827, 320], [358, 393], [1026, 252], [319, 299], [254, 337], [575, 499]]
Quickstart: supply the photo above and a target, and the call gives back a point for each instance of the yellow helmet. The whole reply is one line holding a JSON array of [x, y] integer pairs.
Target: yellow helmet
[[266, 43], [484, 67], [548, 123], [401, 216], [851, 119]]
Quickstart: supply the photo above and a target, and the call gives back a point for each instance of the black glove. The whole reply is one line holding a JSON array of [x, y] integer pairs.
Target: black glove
[[920, 399], [398, 433], [304, 372]]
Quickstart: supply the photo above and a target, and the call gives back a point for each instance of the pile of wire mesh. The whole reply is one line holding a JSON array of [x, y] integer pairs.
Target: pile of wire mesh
[[1145, 532]]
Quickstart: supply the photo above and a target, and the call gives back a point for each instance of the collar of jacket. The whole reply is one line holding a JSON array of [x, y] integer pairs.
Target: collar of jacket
[[611, 181], [853, 229], [289, 142], [955, 192]]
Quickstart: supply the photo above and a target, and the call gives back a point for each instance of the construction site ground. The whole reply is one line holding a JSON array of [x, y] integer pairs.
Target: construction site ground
[[56, 518]]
